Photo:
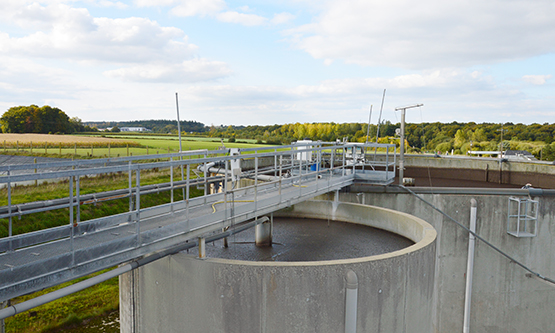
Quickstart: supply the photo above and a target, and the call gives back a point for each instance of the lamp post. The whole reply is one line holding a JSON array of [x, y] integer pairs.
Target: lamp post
[[402, 156]]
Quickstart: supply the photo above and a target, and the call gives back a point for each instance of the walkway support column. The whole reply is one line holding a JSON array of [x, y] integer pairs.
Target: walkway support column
[[263, 233]]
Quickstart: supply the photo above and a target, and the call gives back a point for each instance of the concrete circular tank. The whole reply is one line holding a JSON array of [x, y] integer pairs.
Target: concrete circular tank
[[393, 292]]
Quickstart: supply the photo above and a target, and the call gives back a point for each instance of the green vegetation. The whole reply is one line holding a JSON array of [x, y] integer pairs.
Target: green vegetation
[[46, 119], [156, 126], [70, 310]]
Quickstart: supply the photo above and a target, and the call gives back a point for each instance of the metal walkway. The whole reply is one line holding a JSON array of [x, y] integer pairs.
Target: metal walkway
[[239, 185]]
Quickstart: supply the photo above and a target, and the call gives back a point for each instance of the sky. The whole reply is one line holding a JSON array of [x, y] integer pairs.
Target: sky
[[277, 62]]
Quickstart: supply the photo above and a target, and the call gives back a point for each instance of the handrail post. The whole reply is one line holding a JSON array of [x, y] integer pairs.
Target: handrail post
[[187, 195], [130, 181], [255, 183], [171, 182], [10, 211], [138, 204], [78, 200], [71, 224], [280, 175]]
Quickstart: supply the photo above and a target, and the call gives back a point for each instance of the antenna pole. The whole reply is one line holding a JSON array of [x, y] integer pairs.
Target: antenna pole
[[380, 118], [402, 156], [178, 125], [368, 128], [180, 147]]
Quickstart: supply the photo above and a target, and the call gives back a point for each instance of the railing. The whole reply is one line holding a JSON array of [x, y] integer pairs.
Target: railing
[[237, 185]]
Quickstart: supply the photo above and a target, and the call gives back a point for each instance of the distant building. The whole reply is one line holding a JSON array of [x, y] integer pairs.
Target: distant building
[[521, 155], [134, 129]]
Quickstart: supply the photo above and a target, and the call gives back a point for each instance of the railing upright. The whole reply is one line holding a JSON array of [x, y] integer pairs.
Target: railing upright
[[10, 211], [300, 174], [280, 174], [171, 182], [224, 189], [187, 195], [255, 183], [138, 203], [205, 179], [130, 180], [344, 160], [78, 195], [71, 224]]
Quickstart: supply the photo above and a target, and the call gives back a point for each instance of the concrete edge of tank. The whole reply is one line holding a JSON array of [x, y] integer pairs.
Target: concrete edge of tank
[[395, 290], [419, 231]]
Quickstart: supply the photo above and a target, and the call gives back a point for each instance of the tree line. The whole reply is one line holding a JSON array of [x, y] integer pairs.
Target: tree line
[[454, 137], [156, 126]]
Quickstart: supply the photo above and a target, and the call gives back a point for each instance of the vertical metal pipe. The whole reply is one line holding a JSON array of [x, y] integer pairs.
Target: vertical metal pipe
[[224, 189], [35, 162], [10, 210], [130, 181], [344, 160], [205, 180], [187, 195], [469, 267], [280, 175], [332, 161], [171, 181], [275, 162], [138, 204], [300, 174], [78, 200], [255, 182], [71, 224], [351, 295], [402, 149]]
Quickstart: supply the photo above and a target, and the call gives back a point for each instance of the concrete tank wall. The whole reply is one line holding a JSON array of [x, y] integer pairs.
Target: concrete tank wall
[[180, 293], [505, 297]]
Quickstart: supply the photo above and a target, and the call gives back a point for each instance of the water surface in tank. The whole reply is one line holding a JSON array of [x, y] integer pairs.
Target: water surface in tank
[[298, 239]]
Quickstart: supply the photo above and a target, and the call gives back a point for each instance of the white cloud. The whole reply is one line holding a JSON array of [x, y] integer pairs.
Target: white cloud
[[72, 33], [108, 4], [537, 79], [282, 18], [241, 18], [430, 33], [190, 71], [217, 9], [198, 8], [154, 3]]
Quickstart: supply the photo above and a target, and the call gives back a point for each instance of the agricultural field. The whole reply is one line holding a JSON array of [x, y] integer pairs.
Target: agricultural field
[[100, 146]]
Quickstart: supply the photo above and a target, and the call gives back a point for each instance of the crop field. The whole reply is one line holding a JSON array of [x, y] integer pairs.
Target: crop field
[[99, 146]]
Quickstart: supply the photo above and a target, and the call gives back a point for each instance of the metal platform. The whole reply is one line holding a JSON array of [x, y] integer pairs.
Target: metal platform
[[245, 184]]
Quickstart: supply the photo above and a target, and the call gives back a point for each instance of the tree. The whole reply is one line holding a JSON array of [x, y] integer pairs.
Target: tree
[[460, 138], [32, 119], [115, 129]]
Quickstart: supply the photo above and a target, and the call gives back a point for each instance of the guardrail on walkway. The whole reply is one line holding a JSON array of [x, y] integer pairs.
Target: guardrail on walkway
[[238, 184]]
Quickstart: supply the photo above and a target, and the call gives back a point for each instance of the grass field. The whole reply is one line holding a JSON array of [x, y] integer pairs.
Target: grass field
[[98, 146]]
